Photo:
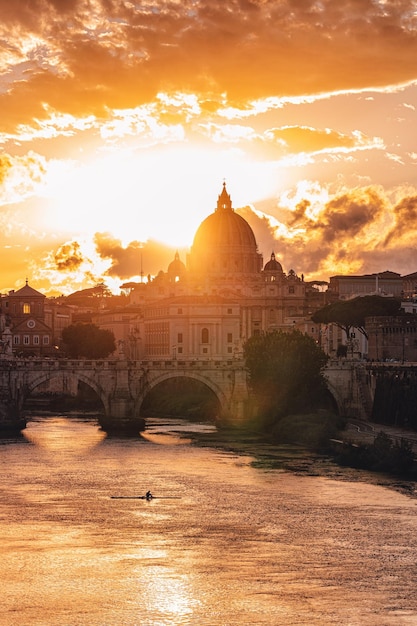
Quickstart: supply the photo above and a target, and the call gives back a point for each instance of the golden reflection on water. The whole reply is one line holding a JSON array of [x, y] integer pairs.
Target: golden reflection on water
[[165, 440], [226, 544], [60, 436], [166, 591]]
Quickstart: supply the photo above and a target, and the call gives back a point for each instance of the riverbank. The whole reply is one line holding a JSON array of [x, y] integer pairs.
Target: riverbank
[[301, 461]]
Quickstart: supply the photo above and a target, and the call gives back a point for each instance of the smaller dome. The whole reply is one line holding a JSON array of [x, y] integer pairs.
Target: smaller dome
[[176, 268], [273, 265]]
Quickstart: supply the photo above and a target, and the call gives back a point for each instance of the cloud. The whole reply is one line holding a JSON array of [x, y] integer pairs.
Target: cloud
[[358, 231], [5, 167], [349, 214], [20, 177], [88, 57], [69, 257], [405, 213], [137, 259]]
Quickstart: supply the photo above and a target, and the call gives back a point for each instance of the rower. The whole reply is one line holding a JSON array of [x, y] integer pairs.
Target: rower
[[148, 495]]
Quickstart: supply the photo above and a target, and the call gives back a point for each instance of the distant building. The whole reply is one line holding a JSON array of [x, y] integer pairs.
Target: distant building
[[34, 322], [125, 324], [410, 286], [24, 312], [383, 283], [392, 338]]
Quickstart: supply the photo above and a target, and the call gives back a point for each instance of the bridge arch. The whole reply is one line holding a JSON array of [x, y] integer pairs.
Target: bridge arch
[[39, 378], [155, 379], [335, 396]]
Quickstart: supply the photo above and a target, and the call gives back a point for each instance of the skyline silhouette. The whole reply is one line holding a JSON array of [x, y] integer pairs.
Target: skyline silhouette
[[119, 123]]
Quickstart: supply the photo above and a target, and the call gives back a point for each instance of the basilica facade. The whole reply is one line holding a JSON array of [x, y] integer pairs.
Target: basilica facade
[[207, 306]]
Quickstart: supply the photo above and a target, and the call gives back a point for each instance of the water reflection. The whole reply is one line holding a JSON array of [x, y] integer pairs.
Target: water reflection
[[168, 594], [174, 431], [164, 440], [241, 545], [60, 435]]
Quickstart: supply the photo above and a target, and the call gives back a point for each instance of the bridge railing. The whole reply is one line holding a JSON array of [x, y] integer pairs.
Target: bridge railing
[[48, 364]]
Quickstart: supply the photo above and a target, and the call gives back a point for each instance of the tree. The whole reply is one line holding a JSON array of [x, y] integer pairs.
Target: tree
[[285, 372], [348, 314], [88, 340]]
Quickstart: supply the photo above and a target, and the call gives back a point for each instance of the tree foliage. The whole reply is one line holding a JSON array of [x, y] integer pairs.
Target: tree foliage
[[348, 314], [88, 340], [285, 372]]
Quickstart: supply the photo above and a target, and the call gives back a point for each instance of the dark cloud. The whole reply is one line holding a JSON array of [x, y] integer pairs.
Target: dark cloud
[[405, 213], [344, 232], [299, 214], [348, 215], [69, 257], [136, 258]]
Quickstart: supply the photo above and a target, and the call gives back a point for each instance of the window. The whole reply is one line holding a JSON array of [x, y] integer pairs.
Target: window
[[229, 349], [179, 311], [16, 340], [229, 311], [204, 335], [26, 308], [204, 350], [36, 340], [45, 340], [26, 340], [180, 350], [229, 337], [179, 338], [290, 289]]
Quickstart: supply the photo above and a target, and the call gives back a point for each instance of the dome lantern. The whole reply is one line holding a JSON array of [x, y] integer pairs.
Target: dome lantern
[[224, 201]]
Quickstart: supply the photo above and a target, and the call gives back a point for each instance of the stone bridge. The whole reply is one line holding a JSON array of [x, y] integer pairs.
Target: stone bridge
[[123, 385], [120, 385], [356, 387]]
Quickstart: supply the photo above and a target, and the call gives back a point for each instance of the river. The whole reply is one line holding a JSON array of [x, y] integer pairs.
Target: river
[[234, 544]]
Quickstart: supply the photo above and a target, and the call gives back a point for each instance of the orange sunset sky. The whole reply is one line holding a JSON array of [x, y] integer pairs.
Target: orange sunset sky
[[119, 121]]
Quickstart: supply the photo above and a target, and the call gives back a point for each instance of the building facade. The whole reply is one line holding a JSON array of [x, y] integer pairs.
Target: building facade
[[209, 305], [23, 314], [383, 284], [30, 324], [392, 338]]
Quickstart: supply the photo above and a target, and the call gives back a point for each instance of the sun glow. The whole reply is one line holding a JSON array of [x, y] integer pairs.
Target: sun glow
[[163, 195]]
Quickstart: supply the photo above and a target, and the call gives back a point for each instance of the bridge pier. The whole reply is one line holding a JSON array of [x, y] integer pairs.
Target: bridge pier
[[11, 418], [236, 411], [121, 417]]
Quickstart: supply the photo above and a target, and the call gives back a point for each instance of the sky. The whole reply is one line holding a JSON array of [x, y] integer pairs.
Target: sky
[[120, 120]]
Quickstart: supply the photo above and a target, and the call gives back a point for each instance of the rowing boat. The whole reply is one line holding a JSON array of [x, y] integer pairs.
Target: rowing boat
[[145, 497]]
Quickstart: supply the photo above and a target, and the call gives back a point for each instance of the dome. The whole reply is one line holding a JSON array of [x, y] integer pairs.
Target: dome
[[273, 265], [176, 269], [224, 242]]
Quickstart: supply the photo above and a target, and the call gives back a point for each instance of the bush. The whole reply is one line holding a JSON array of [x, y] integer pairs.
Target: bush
[[383, 455], [312, 430]]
